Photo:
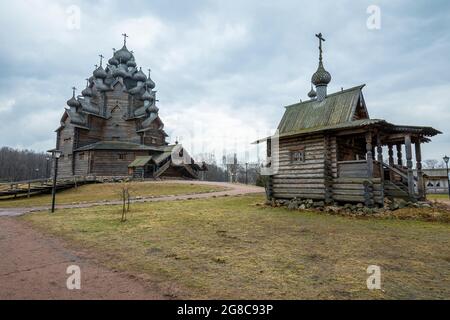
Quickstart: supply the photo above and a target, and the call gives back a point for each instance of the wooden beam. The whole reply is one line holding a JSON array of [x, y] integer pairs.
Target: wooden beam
[[380, 161], [420, 180], [369, 156], [399, 154], [409, 165]]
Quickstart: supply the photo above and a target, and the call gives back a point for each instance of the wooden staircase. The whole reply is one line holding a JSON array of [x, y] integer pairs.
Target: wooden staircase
[[161, 170], [396, 183]]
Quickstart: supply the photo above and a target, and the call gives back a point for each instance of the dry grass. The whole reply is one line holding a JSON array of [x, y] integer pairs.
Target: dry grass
[[233, 248], [437, 196], [110, 191]]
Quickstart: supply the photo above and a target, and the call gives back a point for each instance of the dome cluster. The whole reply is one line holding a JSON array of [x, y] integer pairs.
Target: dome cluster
[[120, 67]]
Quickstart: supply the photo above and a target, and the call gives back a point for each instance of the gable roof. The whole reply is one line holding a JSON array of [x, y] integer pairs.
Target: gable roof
[[140, 161], [336, 109]]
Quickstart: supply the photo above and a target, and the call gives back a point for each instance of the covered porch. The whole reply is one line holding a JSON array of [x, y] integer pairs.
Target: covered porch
[[381, 155]]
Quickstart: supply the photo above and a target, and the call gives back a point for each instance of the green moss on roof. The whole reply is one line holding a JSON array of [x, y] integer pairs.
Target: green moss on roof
[[337, 108], [140, 161]]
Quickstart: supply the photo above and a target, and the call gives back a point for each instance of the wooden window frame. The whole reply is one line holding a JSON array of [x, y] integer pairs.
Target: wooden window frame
[[122, 156], [298, 155]]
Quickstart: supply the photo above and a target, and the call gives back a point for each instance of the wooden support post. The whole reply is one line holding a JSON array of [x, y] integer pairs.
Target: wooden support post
[[368, 184], [409, 165], [399, 155], [369, 155], [328, 171], [380, 161], [29, 190], [420, 181], [391, 161], [391, 155]]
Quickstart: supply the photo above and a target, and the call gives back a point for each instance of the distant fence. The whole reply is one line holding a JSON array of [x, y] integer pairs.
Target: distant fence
[[28, 188]]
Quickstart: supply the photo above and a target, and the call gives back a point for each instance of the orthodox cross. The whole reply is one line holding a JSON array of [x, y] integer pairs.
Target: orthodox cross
[[149, 70], [320, 44], [125, 36], [101, 59], [73, 88]]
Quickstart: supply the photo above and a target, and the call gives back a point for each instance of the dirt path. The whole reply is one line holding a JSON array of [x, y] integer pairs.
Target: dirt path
[[233, 189], [33, 266]]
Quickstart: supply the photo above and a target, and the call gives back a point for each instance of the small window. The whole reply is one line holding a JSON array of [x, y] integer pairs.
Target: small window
[[153, 140], [438, 184], [298, 156], [430, 184], [81, 156], [122, 156]]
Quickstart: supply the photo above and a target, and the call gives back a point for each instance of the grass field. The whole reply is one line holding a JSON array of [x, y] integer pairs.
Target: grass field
[[437, 196], [232, 247], [110, 191]]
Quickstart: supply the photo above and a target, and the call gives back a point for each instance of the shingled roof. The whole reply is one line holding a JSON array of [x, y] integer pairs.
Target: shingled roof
[[336, 109]]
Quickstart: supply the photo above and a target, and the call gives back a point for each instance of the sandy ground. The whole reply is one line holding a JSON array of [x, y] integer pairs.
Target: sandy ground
[[34, 266]]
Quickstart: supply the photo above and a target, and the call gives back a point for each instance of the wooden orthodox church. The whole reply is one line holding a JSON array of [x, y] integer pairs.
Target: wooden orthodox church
[[113, 128], [328, 148]]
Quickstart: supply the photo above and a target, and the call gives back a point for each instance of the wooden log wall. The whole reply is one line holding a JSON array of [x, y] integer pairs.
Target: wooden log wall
[[106, 163], [300, 179], [65, 142], [321, 176]]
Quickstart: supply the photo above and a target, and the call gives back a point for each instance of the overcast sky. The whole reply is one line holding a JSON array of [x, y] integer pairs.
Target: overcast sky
[[224, 70]]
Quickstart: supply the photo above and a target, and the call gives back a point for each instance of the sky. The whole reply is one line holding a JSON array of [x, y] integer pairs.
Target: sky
[[224, 70]]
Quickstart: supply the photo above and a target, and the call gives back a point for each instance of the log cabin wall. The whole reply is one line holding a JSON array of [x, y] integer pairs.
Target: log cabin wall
[[66, 136], [302, 179], [82, 163], [95, 132], [103, 163]]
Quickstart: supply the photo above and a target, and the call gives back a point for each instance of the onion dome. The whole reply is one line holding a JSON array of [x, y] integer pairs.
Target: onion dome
[[100, 73], [123, 55], [312, 94], [131, 63], [140, 76], [149, 81], [73, 102], [113, 61], [153, 109], [121, 71], [321, 77], [147, 96], [87, 92]]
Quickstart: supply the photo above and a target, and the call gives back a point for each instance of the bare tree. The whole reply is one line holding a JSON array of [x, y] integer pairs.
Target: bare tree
[[17, 165], [431, 163]]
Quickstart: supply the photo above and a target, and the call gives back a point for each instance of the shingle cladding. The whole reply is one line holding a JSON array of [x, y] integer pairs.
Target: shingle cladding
[[337, 108]]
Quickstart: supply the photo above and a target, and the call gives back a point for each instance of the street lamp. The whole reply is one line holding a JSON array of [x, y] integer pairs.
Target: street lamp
[[47, 173], [56, 154], [446, 158]]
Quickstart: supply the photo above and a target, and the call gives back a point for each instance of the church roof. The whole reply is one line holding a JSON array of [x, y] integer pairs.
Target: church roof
[[117, 145], [337, 108]]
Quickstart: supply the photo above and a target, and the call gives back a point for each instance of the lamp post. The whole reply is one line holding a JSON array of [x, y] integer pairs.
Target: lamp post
[[47, 173], [55, 155], [446, 158]]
